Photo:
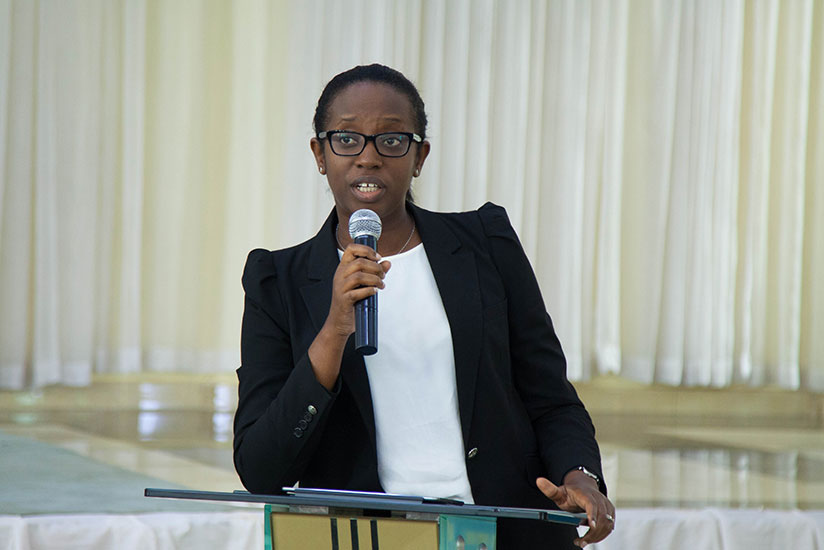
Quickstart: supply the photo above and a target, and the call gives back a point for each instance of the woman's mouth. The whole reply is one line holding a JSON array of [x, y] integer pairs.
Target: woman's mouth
[[367, 191], [367, 187]]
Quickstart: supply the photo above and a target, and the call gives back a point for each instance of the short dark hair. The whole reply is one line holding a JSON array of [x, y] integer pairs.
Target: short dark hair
[[370, 73]]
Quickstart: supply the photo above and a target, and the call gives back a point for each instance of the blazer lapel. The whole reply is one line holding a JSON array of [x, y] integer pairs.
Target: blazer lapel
[[323, 261], [457, 278], [317, 295]]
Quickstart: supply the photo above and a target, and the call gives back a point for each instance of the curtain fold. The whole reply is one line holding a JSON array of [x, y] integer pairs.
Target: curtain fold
[[17, 134], [812, 293], [661, 160]]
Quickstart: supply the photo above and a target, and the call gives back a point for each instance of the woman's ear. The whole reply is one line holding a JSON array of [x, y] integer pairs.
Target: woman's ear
[[320, 155], [420, 158]]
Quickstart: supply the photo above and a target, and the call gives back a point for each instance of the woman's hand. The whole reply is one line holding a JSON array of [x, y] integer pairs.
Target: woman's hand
[[359, 275], [580, 493]]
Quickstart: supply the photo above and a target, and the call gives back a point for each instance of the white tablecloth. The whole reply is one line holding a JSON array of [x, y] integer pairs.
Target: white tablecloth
[[636, 529], [161, 531], [715, 529]]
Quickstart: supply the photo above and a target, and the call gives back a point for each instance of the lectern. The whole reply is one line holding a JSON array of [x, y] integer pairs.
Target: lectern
[[322, 519]]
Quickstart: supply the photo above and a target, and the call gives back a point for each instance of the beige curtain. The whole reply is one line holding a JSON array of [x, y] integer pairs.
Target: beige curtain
[[662, 160]]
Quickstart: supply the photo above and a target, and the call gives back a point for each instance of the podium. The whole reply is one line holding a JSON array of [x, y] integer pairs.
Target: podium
[[323, 519]]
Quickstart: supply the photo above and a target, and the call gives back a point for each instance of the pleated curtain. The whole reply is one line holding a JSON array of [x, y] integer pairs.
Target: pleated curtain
[[662, 161]]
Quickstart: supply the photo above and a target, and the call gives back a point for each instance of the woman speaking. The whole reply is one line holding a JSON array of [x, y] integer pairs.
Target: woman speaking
[[467, 395]]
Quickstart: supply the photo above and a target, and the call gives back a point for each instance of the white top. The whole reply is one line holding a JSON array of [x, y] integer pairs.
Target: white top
[[414, 394]]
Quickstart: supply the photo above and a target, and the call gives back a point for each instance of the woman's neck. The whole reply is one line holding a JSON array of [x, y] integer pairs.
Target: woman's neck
[[398, 233]]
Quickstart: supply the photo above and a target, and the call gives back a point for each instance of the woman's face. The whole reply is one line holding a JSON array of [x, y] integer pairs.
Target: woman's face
[[370, 180]]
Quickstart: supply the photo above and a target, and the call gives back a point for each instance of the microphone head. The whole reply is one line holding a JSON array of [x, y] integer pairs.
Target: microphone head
[[364, 222]]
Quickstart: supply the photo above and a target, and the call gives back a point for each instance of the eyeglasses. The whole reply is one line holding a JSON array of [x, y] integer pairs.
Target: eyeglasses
[[352, 144]]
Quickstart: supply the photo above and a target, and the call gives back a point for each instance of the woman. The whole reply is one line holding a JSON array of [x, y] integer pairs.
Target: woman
[[467, 396]]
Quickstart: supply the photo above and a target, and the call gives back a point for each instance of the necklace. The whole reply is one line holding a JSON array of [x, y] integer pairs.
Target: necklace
[[340, 244]]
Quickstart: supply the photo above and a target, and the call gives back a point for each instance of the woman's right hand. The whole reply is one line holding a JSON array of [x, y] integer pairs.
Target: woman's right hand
[[359, 275]]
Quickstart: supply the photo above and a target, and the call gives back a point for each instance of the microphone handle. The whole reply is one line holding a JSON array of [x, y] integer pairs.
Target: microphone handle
[[366, 312]]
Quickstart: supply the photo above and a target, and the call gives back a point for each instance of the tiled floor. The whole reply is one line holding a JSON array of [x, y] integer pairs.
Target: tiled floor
[[661, 446]]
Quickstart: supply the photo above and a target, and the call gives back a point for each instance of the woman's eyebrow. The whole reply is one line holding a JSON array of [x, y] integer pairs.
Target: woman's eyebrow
[[389, 118]]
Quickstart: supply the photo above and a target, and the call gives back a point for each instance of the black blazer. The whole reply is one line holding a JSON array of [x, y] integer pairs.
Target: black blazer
[[520, 417]]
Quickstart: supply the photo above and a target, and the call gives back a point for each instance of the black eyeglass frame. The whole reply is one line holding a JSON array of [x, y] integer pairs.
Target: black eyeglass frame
[[367, 138]]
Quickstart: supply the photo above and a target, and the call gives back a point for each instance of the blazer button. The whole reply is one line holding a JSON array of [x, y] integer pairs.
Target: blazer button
[[312, 410], [472, 452], [298, 433], [302, 424]]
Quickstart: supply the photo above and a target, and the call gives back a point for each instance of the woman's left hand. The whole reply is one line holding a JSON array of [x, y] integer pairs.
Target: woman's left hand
[[580, 493]]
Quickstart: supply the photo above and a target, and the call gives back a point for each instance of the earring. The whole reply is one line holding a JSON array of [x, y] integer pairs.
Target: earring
[[416, 173], [321, 169]]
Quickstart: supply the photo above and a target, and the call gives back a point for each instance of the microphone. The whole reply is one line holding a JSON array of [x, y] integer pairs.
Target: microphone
[[365, 228]]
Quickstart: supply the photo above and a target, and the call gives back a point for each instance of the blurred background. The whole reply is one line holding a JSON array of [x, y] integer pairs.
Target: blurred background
[[661, 160]]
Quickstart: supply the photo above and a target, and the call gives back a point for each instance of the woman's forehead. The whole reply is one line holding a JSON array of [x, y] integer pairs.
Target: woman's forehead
[[371, 101]]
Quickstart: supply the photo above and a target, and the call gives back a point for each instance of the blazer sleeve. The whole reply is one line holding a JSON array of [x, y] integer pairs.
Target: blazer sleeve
[[562, 426], [282, 407]]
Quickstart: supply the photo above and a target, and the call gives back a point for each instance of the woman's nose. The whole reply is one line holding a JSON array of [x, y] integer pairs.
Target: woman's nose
[[369, 157]]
